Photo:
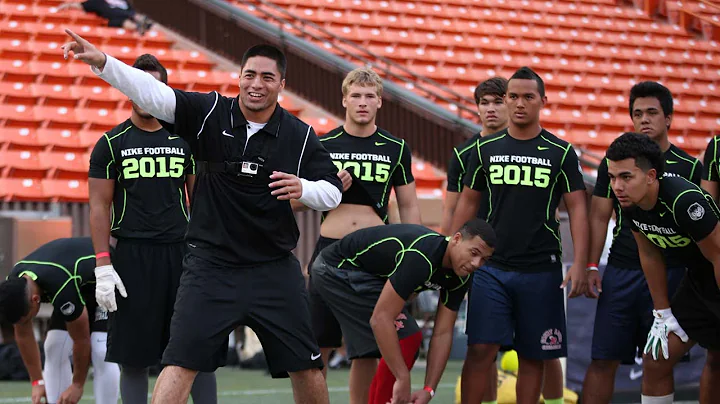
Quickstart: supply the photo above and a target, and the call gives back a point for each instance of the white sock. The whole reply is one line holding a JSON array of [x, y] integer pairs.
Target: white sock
[[657, 399], [57, 372], [106, 375]]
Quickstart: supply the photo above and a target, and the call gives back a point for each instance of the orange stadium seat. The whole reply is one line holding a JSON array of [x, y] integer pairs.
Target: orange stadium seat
[[65, 165], [22, 189], [65, 190]]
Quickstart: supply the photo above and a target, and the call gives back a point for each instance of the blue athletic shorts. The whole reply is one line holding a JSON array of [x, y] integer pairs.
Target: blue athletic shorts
[[525, 310], [624, 313]]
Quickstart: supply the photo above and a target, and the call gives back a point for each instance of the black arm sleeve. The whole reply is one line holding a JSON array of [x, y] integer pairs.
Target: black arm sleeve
[[573, 173], [602, 185], [411, 272], [68, 302], [695, 213], [710, 167], [455, 172], [403, 172], [475, 178], [453, 298], [696, 173], [191, 112], [102, 160]]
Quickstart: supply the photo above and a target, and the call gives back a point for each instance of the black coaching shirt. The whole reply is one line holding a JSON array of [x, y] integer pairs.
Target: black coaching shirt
[[377, 162], [235, 221], [623, 251], [524, 180], [683, 216], [409, 255], [61, 268], [457, 169], [149, 170]]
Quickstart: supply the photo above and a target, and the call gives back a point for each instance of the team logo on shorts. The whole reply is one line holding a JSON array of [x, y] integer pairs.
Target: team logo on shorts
[[551, 340], [67, 308], [696, 211], [100, 314]]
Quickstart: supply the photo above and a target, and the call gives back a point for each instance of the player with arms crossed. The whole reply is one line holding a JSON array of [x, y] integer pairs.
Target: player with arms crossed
[[370, 161], [493, 113], [138, 177], [525, 170], [61, 273], [625, 302], [672, 217], [253, 158], [367, 277]]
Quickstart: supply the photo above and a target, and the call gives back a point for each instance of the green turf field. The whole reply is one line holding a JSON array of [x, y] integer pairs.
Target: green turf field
[[248, 386]]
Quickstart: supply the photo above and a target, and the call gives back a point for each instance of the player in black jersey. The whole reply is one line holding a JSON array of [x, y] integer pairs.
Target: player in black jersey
[[525, 170], [674, 216], [138, 177], [367, 277], [370, 161], [60, 273], [493, 113], [625, 301], [711, 168]]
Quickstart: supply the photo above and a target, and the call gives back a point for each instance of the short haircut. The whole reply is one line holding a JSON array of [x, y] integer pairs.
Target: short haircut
[[478, 227], [655, 90], [267, 51], [646, 152], [13, 300], [365, 77], [496, 86], [149, 63], [526, 73]]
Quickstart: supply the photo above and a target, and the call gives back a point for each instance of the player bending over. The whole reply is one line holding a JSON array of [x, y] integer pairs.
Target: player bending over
[[673, 215], [367, 277], [61, 272]]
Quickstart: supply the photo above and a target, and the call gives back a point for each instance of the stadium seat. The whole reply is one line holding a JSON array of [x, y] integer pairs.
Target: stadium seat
[[65, 190], [22, 189]]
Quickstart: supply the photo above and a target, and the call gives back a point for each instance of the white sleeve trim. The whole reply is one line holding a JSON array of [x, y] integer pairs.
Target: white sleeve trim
[[320, 195], [302, 152], [150, 94], [208, 115]]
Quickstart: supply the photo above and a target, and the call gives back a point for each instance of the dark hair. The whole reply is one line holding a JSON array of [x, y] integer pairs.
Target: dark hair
[[655, 90], [13, 300], [496, 86], [149, 63], [269, 52], [645, 151], [478, 227], [526, 73]]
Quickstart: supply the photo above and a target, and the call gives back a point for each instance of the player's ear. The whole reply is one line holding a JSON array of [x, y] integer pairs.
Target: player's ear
[[651, 175], [668, 120], [35, 299]]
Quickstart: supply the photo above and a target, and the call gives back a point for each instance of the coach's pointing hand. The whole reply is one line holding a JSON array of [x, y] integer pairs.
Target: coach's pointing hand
[[106, 281], [287, 186], [84, 51]]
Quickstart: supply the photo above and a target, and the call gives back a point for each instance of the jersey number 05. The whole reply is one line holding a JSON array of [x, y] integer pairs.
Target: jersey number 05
[[150, 167]]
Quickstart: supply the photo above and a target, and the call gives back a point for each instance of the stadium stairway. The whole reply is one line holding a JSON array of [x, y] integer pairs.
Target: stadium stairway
[[52, 111]]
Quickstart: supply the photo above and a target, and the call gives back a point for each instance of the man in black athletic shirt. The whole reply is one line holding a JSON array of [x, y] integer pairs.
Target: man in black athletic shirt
[[370, 161], [674, 216], [139, 173], [625, 301], [525, 170], [61, 273], [367, 277]]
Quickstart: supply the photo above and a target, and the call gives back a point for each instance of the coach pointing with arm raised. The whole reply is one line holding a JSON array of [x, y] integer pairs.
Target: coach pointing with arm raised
[[252, 157]]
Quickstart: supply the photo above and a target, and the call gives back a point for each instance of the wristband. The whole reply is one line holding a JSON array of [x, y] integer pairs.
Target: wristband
[[102, 255], [429, 390], [592, 267], [39, 382]]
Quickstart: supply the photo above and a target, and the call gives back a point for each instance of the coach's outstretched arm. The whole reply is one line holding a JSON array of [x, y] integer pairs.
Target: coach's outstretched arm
[[152, 95]]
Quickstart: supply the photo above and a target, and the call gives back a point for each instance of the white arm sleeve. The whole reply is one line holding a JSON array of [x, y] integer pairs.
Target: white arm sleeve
[[320, 195], [152, 95]]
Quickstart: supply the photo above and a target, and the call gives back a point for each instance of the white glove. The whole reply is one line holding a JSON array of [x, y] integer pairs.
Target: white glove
[[665, 323], [106, 281]]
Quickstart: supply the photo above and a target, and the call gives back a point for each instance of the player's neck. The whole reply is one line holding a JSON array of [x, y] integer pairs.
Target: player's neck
[[664, 143], [524, 133], [650, 199], [357, 130], [148, 125], [487, 131], [257, 116]]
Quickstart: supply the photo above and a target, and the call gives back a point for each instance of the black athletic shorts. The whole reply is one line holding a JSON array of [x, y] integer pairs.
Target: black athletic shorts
[[325, 325], [97, 316], [698, 313], [270, 298], [352, 296], [139, 330]]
